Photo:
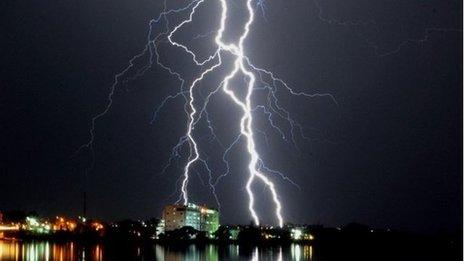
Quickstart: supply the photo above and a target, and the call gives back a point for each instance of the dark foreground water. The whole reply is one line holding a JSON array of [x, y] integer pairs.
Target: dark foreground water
[[44, 250]]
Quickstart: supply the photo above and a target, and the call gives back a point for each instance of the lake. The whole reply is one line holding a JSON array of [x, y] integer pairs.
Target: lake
[[386, 250], [43, 250]]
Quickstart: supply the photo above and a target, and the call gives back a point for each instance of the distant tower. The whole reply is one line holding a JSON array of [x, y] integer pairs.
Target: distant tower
[[84, 207], [85, 204]]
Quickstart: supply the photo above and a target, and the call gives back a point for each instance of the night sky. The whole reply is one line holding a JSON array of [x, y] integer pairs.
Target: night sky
[[388, 155]]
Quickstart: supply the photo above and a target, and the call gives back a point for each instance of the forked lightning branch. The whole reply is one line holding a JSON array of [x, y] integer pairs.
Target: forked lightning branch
[[242, 67]]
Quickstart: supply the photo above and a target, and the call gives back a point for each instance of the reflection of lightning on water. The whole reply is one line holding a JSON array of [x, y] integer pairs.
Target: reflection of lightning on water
[[255, 255], [243, 67]]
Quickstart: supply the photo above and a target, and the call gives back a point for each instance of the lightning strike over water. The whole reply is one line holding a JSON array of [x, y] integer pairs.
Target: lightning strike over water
[[241, 66]]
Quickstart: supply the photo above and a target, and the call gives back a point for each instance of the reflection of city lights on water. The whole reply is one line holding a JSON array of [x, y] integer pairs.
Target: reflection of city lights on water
[[18, 250], [255, 256], [307, 252], [296, 252]]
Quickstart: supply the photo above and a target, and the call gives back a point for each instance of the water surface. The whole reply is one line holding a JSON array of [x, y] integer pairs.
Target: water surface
[[44, 250]]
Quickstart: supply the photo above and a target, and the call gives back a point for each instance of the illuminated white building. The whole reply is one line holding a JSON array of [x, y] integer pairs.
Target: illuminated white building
[[200, 218]]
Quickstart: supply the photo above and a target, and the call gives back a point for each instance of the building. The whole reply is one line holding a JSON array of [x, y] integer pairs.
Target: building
[[160, 228], [300, 234], [200, 218], [64, 224]]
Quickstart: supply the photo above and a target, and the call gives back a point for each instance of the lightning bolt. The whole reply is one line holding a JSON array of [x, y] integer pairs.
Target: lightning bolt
[[246, 123], [426, 35], [196, 111]]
